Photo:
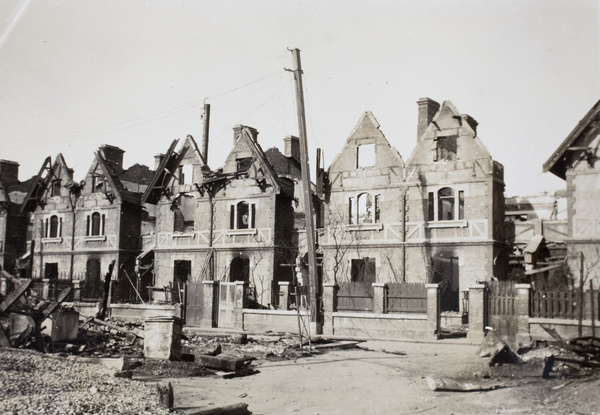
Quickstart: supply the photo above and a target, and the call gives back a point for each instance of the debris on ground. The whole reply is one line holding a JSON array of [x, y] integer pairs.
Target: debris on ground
[[452, 385]]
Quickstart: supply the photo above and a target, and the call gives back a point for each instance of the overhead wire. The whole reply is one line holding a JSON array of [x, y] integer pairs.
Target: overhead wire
[[108, 129]]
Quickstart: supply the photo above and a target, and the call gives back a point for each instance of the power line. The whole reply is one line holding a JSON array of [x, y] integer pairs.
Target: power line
[[110, 128]]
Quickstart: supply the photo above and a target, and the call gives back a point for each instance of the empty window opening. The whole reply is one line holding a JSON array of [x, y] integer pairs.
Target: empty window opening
[[95, 224], [365, 155], [449, 205], [363, 270], [242, 216], [243, 164], [364, 209], [53, 227], [444, 148], [239, 269], [55, 188], [186, 174], [183, 215], [446, 204], [182, 272], [97, 183], [51, 270]]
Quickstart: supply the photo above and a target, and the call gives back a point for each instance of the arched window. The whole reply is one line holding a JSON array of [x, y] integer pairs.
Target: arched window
[[446, 204], [242, 215], [363, 209], [54, 227], [95, 224], [450, 205]]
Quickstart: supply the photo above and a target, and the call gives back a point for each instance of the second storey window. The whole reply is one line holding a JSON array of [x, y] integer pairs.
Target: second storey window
[[95, 224], [55, 187], [242, 216], [53, 227], [363, 209], [450, 205]]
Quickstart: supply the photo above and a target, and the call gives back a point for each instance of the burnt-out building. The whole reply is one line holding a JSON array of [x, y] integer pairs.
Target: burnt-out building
[[13, 222], [79, 228], [576, 161], [437, 217], [232, 224]]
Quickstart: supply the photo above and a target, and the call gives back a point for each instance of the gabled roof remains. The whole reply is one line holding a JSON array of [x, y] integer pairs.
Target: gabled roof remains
[[583, 132]]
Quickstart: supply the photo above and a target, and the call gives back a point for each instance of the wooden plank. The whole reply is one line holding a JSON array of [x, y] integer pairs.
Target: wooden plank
[[14, 295], [54, 304]]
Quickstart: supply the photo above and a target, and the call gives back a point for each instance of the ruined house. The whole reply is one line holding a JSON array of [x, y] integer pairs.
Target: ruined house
[[438, 217], [79, 228], [13, 223], [576, 161], [232, 224]]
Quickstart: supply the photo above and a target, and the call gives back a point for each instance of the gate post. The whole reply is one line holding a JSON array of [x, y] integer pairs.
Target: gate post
[[379, 306], [209, 294], [433, 310], [477, 312], [76, 290], [284, 295], [46, 288], [328, 307], [238, 307], [522, 315]]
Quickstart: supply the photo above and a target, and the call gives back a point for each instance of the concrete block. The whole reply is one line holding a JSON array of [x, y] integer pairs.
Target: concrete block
[[62, 326], [162, 338]]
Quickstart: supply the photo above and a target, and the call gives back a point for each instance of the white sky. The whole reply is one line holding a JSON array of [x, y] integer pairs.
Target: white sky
[[77, 74]]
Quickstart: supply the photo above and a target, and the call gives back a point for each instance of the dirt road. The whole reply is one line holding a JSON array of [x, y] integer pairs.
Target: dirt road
[[387, 378]]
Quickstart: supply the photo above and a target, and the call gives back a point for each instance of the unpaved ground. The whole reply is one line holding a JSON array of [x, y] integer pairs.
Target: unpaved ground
[[377, 378], [389, 378]]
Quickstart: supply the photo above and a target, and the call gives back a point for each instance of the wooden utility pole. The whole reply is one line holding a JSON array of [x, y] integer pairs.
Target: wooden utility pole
[[306, 192], [580, 299]]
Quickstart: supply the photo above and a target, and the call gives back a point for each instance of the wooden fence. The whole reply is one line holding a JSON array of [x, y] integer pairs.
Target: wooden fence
[[555, 304], [355, 296], [406, 297]]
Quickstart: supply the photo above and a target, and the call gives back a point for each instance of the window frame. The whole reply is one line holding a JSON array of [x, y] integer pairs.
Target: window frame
[[354, 212], [435, 205], [47, 225], [90, 232], [236, 225]]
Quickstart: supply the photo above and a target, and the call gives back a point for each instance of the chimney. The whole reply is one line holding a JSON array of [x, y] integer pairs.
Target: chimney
[[292, 147], [113, 156], [237, 131], [9, 172], [158, 158], [206, 117], [427, 110]]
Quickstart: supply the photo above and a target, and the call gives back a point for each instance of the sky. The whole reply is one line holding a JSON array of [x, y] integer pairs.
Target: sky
[[77, 74]]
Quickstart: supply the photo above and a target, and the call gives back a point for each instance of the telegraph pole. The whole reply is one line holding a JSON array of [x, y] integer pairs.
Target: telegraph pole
[[306, 192]]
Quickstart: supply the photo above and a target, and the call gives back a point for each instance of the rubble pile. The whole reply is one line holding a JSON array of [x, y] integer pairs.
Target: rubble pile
[[284, 347], [112, 338], [35, 383]]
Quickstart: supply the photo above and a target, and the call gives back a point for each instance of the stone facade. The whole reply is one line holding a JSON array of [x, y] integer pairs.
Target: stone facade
[[233, 224], [438, 217], [78, 229]]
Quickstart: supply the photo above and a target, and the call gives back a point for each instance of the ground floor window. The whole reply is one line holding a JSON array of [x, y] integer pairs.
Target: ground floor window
[[51, 270], [239, 269], [363, 270]]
